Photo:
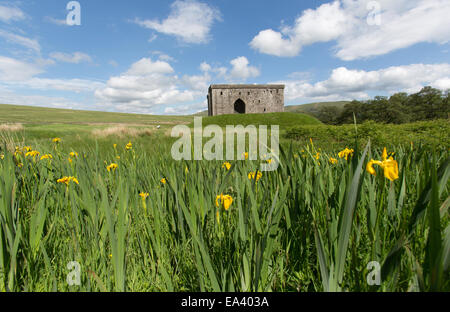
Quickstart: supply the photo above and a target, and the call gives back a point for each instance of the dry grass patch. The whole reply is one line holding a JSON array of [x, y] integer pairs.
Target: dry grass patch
[[121, 131], [11, 127]]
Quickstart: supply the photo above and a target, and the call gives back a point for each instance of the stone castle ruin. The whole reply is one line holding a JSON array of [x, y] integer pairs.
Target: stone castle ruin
[[245, 99]]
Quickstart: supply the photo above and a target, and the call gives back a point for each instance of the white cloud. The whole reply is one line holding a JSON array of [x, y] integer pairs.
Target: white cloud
[[22, 74], [163, 56], [74, 58], [73, 85], [205, 67], [148, 86], [32, 44], [146, 66], [271, 42], [190, 21], [241, 70], [59, 22], [197, 82], [144, 86], [113, 63], [186, 109], [345, 83], [14, 70], [8, 14], [349, 23], [9, 97], [153, 38]]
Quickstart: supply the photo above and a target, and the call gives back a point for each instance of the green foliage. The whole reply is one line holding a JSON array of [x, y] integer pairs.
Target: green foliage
[[424, 133], [428, 104]]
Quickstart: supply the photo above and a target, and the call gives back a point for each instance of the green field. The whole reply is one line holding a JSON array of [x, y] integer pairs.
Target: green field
[[42, 115], [151, 223]]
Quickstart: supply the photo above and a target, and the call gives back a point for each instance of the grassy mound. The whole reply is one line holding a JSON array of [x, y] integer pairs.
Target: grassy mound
[[284, 120]]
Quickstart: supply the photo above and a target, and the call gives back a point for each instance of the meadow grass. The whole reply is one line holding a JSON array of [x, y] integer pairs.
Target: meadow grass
[[311, 225]]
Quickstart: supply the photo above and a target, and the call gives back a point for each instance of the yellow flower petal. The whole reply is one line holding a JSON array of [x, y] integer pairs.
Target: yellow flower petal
[[384, 155], [390, 169]]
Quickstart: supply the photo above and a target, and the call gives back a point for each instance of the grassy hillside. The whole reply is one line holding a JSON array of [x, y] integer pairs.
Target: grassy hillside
[[41, 115], [314, 108]]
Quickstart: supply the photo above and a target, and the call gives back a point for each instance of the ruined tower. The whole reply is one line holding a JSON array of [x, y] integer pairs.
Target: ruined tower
[[245, 99]]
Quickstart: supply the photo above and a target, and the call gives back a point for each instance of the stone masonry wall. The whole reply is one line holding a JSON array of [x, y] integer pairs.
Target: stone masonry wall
[[257, 98]]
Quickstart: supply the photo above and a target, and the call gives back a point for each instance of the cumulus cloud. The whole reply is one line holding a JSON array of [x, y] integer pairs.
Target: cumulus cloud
[[22, 74], [73, 85], [32, 44], [190, 21], [146, 66], [13, 70], [146, 85], [241, 70], [55, 21], [353, 25], [344, 83], [149, 86], [74, 58], [186, 109], [163, 56], [8, 14]]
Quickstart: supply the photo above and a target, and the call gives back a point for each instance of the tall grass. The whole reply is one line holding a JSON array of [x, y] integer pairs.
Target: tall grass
[[309, 226]]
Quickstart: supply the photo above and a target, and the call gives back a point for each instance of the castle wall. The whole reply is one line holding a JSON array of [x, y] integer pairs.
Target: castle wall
[[258, 99]]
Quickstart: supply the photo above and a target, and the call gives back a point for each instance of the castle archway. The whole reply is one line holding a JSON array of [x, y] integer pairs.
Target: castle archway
[[239, 107]]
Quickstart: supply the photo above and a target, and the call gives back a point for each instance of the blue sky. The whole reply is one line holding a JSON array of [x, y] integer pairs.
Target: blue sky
[[159, 57]]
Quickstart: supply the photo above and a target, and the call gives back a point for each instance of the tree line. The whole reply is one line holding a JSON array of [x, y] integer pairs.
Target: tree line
[[428, 104]]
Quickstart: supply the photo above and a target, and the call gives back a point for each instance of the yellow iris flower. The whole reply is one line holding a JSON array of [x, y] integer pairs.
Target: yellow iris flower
[[225, 201], [32, 154], [251, 176], [67, 180], [46, 156], [112, 167], [345, 153], [389, 165], [226, 165]]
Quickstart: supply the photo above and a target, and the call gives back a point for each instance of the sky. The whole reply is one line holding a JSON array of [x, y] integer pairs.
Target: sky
[[160, 56]]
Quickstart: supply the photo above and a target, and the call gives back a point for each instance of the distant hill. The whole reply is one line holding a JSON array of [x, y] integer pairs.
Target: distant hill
[[43, 115], [314, 108]]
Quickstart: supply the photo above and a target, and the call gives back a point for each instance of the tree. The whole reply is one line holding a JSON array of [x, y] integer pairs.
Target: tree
[[329, 115], [427, 104], [354, 108]]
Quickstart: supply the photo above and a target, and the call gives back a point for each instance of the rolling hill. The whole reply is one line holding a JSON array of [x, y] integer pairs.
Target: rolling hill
[[314, 108], [43, 115]]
